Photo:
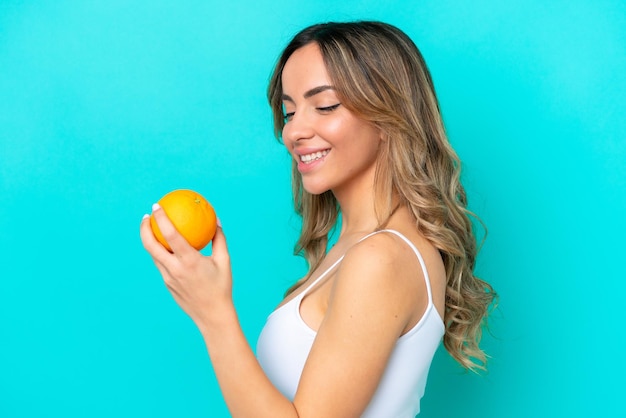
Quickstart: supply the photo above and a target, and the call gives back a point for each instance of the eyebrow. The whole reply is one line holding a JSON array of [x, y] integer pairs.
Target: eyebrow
[[310, 93]]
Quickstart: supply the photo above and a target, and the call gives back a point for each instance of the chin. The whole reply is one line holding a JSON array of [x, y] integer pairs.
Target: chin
[[314, 188]]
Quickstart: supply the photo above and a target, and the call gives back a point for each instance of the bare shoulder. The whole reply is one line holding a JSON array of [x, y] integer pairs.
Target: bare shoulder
[[383, 270], [372, 302], [380, 251], [384, 253]]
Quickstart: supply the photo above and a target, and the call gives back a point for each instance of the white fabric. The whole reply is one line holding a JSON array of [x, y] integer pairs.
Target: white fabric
[[286, 340]]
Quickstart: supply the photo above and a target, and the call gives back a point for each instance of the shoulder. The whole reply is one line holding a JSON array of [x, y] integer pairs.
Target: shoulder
[[383, 252], [383, 270], [370, 306]]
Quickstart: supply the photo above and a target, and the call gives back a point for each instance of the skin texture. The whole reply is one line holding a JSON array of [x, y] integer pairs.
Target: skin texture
[[354, 341]]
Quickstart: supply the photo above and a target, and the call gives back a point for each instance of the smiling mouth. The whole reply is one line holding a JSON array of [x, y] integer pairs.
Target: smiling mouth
[[314, 156]]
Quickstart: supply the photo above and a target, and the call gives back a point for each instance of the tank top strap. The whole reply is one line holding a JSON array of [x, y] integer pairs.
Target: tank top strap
[[392, 231], [316, 281], [417, 253], [329, 269]]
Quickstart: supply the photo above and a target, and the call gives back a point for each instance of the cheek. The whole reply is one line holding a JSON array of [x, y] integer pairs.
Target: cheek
[[335, 128]]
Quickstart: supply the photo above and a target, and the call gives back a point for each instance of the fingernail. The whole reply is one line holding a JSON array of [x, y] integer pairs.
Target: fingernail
[[155, 207], [145, 216], [219, 223]]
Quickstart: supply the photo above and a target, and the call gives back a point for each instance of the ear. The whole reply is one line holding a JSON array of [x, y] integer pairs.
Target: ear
[[382, 134]]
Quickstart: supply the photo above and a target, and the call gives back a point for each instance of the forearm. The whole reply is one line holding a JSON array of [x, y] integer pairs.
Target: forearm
[[245, 387], [202, 288]]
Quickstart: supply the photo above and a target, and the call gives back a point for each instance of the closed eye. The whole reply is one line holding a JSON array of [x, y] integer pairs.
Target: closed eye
[[325, 109], [329, 108], [288, 116]]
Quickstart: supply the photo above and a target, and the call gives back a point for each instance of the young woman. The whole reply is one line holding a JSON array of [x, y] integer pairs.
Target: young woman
[[355, 106]]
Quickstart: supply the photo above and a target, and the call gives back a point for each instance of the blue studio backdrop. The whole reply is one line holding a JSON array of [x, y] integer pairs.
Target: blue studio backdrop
[[107, 105]]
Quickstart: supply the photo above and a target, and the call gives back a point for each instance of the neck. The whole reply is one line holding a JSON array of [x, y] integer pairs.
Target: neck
[[357, 221], [358, 213], [357, 208], [356, 201]]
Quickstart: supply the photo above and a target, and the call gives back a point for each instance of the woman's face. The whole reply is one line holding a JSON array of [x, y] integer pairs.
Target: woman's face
[[334, 149]]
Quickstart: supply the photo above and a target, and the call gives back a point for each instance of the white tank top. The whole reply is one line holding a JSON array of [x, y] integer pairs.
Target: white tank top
[[286, 340]]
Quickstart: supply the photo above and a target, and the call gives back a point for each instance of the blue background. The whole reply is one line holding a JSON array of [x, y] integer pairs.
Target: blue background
[[107, 105]]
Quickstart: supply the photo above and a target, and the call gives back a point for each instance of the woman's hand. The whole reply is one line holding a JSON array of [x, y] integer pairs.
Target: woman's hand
[[200, 285]]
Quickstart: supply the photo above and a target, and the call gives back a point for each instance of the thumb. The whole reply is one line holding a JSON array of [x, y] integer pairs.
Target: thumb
[[219, 248]]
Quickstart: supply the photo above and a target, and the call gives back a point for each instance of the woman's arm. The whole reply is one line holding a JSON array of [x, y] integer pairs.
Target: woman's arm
[[374, 296], [202, 288], [370, 305]]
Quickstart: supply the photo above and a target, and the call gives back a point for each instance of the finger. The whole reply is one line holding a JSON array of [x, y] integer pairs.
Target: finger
[[165, 273], [219, 247], [179, 245], [150, 243]]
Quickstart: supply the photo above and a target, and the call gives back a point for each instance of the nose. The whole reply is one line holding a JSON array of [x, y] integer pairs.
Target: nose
[[298, 128]]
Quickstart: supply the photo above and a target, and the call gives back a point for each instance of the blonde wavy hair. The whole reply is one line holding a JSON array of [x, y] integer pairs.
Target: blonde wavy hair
[[380, 75]]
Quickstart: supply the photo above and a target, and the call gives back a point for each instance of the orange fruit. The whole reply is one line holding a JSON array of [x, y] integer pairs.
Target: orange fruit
[[192, 215]]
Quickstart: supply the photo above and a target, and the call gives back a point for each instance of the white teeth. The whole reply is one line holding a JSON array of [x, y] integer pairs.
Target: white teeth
[[313, 156]]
